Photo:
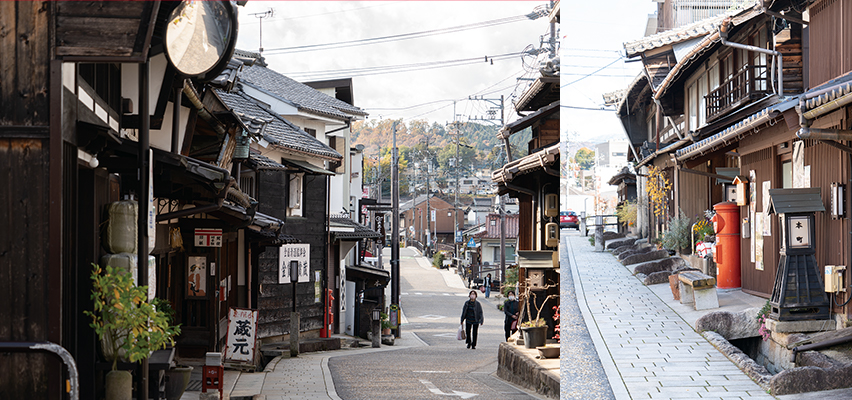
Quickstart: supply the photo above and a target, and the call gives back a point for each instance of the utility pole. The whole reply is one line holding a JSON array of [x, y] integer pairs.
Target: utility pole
[[498, 103], [395, 227], [456, 233], [428, 204], [502, 238]]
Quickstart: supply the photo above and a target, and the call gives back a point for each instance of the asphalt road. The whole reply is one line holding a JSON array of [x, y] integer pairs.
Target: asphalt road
[[444, 368]]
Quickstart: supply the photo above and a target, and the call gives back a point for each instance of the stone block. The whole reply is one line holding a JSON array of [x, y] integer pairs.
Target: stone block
[[706, 299], [650, 256], [609, 235], [633, 252], [641, 241], [800, 326], [618, 242], [731, 326], [657, 278], [211, 395], [649, 267]]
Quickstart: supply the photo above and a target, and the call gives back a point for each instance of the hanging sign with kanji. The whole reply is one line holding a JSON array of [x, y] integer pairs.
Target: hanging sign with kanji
[[208, 237], [298, 252], [242, 328]]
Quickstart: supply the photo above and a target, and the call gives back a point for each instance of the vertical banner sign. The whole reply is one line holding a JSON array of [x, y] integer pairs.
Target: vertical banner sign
[[317, 287], [298, 252], [242, 326], [152, 218], [380, 226]]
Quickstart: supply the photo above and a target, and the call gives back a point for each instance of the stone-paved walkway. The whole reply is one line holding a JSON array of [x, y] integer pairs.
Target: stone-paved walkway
[[648, 351]]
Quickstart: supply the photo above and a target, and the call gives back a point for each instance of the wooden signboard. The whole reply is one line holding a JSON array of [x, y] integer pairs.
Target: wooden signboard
[[242, 335]]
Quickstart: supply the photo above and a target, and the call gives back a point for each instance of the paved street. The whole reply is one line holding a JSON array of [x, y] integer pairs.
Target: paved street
[[648, 351], [432, 302]]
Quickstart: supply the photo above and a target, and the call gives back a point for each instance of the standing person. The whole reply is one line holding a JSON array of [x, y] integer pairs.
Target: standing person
[[487, 286], [472, 317], [510, 310]]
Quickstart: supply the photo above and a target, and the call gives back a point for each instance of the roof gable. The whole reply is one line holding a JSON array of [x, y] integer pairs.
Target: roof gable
[[304, 97]]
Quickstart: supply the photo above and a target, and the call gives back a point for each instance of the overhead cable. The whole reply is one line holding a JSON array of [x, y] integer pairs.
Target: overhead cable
[[405, 36]]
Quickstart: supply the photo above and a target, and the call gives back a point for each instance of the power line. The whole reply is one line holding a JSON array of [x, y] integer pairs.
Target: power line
[[405, 36], [588, 75], [380, 70]]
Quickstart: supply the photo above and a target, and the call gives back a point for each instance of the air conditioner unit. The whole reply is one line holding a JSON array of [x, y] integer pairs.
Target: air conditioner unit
[[551, 205]]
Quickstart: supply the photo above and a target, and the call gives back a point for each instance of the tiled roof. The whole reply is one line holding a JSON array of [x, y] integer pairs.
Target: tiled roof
[[258, 161], [839, 86], [278, 131], [228, 77], [694, 30], [493, 231], [361, 231], [734, 131], [302, 96]]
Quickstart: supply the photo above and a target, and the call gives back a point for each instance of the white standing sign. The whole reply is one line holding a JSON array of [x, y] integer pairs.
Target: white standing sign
[[298, 252], [242, 329]]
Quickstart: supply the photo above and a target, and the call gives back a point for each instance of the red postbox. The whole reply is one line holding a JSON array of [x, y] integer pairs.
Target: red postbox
[[726, 223]]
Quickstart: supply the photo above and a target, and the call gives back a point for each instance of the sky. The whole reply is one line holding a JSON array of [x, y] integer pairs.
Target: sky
[[591, 35]]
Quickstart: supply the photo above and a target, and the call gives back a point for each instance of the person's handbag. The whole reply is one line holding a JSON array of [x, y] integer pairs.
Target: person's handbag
[[460, 335], [514, 325]]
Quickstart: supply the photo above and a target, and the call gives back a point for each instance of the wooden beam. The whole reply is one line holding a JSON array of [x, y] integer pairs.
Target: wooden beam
[[707, 174]]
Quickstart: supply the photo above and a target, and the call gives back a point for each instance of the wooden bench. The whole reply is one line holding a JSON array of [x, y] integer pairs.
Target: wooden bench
[[698, 290]]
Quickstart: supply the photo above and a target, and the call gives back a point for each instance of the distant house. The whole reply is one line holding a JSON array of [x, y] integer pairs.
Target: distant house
[[416, 214]]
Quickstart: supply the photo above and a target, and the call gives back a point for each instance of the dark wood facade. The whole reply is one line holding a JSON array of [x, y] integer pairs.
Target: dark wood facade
[[30, 224], [275, 301]]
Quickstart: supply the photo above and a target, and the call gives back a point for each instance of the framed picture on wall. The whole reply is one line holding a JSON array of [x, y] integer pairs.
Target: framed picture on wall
[[196, 276]]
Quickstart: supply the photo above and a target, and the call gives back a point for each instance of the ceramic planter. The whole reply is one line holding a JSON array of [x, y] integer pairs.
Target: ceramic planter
[[176, 381], [534, 336], [118, 385]]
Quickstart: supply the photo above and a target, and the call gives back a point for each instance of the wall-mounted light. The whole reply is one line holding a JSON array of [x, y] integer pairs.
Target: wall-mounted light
[[838, 200]]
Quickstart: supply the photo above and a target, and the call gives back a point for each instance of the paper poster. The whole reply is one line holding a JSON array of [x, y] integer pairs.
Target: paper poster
[[758, 243], [196, 277], [766, 224], [753, 233], [242, 328]]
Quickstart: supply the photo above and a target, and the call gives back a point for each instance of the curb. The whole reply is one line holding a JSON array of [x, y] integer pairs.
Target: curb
[[616, 383]]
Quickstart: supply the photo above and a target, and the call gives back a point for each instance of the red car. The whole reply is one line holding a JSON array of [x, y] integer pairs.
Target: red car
[[568, 219]]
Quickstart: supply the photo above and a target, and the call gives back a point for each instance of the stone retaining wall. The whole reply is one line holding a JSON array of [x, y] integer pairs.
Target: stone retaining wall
[[519, 368]]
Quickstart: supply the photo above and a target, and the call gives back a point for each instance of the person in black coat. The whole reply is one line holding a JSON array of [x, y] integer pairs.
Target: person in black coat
[[510, 310], [472, 318]]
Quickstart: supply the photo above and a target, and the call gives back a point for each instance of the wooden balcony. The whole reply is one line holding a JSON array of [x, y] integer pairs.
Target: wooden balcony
[[750, 83]]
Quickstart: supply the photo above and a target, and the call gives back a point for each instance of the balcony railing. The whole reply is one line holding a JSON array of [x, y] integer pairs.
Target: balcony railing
[[746, 85]]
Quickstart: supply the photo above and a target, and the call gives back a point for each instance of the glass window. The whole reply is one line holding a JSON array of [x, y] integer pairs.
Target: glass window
[[702, 107], [787, 174], [693, 107]]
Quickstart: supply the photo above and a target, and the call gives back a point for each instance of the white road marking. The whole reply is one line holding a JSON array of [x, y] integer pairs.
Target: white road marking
[[434, 389], [432, 372], [446, 335], [432, 316]]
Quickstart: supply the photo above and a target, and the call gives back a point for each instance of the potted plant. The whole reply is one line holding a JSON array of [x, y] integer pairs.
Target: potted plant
[[130, 326], [678, 237], [534, 330], [386, 325]]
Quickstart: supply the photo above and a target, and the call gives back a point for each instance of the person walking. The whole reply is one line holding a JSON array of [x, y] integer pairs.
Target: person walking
[[487, 286], [472, 318], [510, 310]]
